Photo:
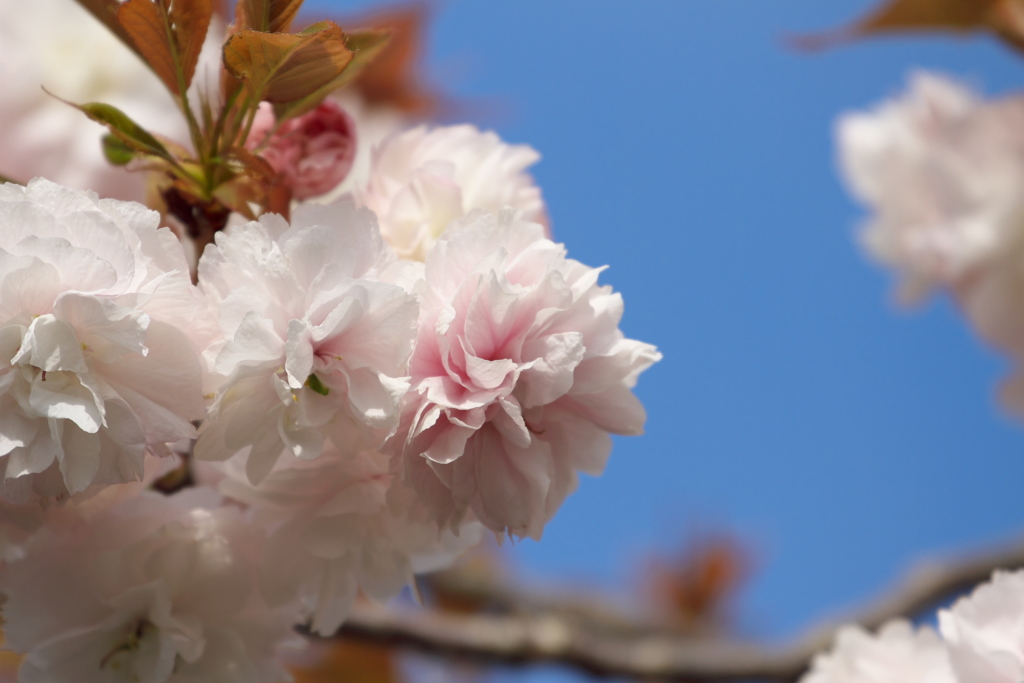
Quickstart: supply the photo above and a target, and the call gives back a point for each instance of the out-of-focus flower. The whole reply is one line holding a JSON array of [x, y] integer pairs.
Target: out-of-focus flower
[[335, 531], [941, 171], [96, 309], [898, 654], [56, 44], [519, 375], [317, 346], [163, 590], [423, 179], [985, 631], [312, 153]]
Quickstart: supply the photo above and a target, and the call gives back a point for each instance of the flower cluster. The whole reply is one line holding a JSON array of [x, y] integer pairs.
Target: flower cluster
[[980, 640], [370, 396], [297, 405]]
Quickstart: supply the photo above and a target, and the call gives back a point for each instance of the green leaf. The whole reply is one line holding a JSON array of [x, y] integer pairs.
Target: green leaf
[[314, 383], [6, 179], [365, 45], [123, 128], [285, 67], [118, 153]]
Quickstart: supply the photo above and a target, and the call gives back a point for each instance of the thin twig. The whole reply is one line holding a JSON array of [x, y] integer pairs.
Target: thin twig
[[552, 635]]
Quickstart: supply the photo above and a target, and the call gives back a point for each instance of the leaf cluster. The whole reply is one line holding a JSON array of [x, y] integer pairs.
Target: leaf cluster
[[263, 60]]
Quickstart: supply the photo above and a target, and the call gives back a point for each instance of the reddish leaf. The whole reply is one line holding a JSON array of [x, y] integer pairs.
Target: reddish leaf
[[366, 46], [285, 67], [1002, 17], [392, 79], [169, 34], [694, 589], [273, 16], [106, 12], [350, 662]]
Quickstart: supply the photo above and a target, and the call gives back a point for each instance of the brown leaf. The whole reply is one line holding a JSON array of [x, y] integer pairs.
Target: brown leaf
[[694, 588], [365, 45], [169, 35], [285, 67], [106, 12], [392, 79], [351, 662], [901, 16], [273, 16]]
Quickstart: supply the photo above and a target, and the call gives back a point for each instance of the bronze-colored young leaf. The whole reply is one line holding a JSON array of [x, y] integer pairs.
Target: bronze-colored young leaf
[[284, 67], [393, 79], [106, 12], [272, 16], [251, 164], [8, 179], [896, 16], [366, 45], [169, 34], [239, 193]]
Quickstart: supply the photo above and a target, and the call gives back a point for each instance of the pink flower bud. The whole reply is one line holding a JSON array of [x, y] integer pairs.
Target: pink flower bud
[[312, 153]]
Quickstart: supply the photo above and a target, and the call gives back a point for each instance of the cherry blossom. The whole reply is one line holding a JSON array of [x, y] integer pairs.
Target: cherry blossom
[[985, 631], [519, 376], [317, 344], [423, 179], [939, 168], [99, 327], [338, 527], [164, 590], [898, 654]]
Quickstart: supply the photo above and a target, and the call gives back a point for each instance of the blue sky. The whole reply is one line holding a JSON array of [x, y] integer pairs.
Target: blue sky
[[687, 147]]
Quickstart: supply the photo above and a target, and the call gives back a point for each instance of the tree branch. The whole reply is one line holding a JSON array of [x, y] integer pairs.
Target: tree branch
[[599, 645]]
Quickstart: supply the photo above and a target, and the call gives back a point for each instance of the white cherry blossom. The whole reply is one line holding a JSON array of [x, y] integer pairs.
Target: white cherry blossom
[[338, 527], [317, 344], [163, 590], [98, 331], [899, 653], [985, 631], [940, 169], [423, 179]]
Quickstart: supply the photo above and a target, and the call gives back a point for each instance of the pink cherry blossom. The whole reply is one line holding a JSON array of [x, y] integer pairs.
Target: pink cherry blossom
[[99, 328], [163, 590], [313, 153], [340, 525], [423, 179], [519, 375], [317, 345]]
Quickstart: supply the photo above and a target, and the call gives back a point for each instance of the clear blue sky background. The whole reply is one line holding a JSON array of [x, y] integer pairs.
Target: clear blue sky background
[[688, 148]]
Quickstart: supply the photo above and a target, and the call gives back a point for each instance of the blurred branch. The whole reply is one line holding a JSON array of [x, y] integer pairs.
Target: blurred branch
[[594, 639]]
